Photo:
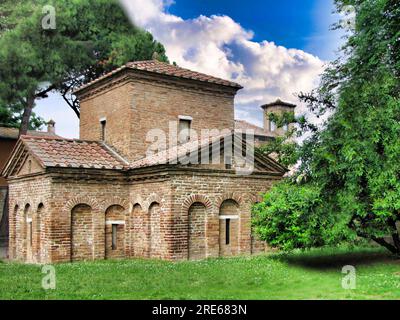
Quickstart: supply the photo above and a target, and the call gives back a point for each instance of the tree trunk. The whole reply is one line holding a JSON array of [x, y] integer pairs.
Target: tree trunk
[[30, 102]]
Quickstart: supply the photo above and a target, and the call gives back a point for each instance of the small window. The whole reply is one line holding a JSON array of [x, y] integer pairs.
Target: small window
[[227, 231], [30, 233], [29, 166], [184, 130], [272, 126], [114, 237], [103, 124]]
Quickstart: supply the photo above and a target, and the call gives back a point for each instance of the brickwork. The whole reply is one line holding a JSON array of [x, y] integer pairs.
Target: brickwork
[[197, 231], [3, 223], [81, 233], [115, 219], [87, 208], [147, 105], [161, 218]]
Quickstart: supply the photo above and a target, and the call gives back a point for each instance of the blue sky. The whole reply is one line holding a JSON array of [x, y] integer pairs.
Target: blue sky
[[301, 24], [275, 49]]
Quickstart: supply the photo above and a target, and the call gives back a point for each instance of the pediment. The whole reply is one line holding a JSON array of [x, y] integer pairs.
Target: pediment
[[22, 162], [242, 158], [29, 165]]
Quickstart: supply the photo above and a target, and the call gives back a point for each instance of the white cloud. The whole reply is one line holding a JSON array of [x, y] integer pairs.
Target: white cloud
[[220, 46]]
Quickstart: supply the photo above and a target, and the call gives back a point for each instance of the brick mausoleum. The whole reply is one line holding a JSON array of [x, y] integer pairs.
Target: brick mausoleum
[[115, 193]]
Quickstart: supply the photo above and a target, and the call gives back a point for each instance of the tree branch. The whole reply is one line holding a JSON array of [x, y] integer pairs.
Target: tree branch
[[43, 94]]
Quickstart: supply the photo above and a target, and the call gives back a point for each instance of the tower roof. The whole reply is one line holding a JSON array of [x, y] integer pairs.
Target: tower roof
[[163, 68], [279, 102]]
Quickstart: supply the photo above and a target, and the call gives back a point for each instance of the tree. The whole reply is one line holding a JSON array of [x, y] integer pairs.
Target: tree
[[91, 37], [347, 185]]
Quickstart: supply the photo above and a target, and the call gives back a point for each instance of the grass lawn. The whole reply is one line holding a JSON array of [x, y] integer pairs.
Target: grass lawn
[[301, 275]]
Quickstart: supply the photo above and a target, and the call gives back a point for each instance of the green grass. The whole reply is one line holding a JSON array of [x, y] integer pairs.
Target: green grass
[[301, 275]]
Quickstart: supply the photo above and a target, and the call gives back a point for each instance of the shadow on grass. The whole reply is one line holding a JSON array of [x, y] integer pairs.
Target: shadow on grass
[[319, 260]]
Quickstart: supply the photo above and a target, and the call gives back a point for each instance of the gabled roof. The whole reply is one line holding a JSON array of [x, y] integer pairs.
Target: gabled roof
[[64, 153], [175, 154], [68, 153], [163, 68]]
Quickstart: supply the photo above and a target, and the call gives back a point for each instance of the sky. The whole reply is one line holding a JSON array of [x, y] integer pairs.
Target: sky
[[274, 49]]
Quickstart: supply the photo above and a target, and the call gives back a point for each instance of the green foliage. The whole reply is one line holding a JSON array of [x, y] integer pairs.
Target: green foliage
[[286, 151], [354, 158], [292, 217], [91, 37]]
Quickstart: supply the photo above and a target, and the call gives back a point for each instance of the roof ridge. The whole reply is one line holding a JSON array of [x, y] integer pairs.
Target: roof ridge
[[115, 153], [169, 70], [27, 136]]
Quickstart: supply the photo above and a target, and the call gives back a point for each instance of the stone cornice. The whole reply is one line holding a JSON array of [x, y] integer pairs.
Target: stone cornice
[[129, 75], [155, 173]]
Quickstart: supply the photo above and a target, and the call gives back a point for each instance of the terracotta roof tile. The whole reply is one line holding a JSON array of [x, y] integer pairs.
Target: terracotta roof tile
[[155, 66], [242, 126], [66, 153]]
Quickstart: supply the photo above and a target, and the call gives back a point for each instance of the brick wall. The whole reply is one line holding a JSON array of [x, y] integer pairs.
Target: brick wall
[[26, 197], [222, 194], [3, 223], [168, 215], [114, 105], [134, 107]]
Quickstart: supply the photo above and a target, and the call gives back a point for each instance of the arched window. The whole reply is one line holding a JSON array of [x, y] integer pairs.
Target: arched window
[[27, 232], [138, 232], [37, 244], [81, 233], [13, 232], [229, 228], [197, 231], [272, 126], [154, 228], [115, 232]]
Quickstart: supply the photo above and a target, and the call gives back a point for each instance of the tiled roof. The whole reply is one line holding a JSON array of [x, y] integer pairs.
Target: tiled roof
[[13, 133], [174, 154], [242, 126], [55, 152], [164, 68]]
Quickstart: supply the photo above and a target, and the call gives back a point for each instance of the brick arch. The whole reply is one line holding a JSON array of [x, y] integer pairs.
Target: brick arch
[[27, 201], [87, 200], [13, 204], [196, 198], [115, 201], [230, 196], [137, 200], [39, 202], [153, 198], [28, 205]]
